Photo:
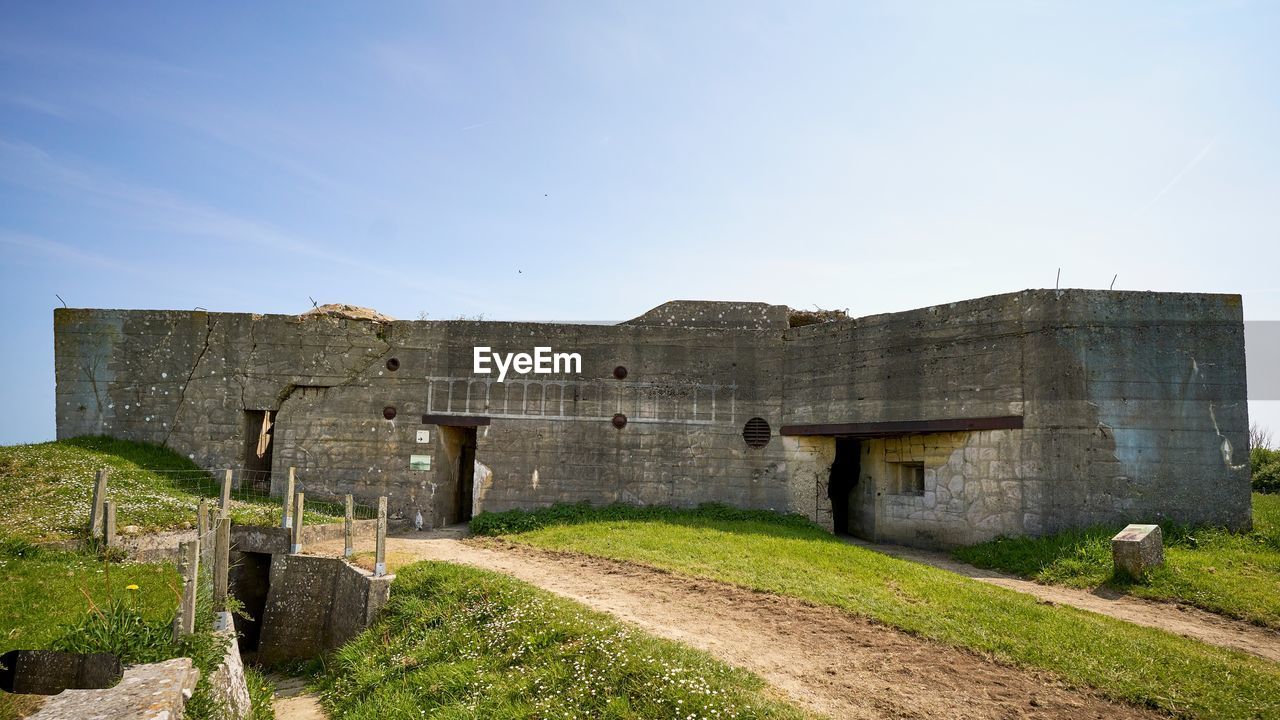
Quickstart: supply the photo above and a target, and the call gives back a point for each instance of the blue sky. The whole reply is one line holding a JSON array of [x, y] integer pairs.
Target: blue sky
[[591, 160]]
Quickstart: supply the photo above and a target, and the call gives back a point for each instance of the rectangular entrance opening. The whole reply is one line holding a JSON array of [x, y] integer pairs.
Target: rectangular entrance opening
[[454, 498], [249, 581], [259, 431], [842, 486], [466, 475]]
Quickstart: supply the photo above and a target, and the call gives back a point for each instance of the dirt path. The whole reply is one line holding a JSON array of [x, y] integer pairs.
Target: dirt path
[[824, 660], [1180, 619], [293, 702]]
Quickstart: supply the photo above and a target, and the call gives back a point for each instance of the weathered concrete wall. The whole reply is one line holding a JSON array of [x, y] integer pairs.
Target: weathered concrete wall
[[808, 471], [48, 672], [159, 691], [186, 378], [1135, 409], [1132, 404], [227, 685], [316, 604]]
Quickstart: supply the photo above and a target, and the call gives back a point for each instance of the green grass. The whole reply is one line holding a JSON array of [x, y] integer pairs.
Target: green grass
[[261, 694], [45, 592], [78, 603], [46, 489], [1235, 574], [1128, 662], [458, 642]]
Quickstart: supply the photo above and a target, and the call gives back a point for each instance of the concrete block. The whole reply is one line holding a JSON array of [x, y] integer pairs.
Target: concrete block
[[227, 683], [146, 692], [1137, 549], [48, 672]]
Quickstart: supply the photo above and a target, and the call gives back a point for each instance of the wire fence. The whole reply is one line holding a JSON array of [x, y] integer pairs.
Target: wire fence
[[160, 493]]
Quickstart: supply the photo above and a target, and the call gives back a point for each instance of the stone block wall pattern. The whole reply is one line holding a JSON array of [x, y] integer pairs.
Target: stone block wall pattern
[[1131, 407]]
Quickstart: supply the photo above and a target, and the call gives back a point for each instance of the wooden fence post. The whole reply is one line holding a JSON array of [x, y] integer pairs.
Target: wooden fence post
[[221, 563], [349, 530], [186, 621], [99, 497], [109, 526], [287, 520], [380, 548], [224, 503], [203, 528], [202, 518], [296, 546]]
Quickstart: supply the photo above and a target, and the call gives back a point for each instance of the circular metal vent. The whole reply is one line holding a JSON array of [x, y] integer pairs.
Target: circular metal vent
[[393, 364], [756, 432], [389, 412], [620, 372], [619, 421]]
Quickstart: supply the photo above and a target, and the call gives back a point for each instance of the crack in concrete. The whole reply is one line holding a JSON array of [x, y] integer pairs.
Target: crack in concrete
[[182, 394]]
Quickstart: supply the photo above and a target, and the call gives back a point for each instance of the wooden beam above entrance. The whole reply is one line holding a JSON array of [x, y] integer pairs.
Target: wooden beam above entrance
[[905, 427], [455, 420]]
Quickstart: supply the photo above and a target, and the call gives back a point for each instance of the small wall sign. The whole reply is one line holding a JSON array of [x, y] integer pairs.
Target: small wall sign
[[424, 436], [419, 462]]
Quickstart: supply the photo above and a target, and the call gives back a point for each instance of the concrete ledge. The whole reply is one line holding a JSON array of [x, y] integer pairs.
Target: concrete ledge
[[275, 540], [227, 684], [159, 691]]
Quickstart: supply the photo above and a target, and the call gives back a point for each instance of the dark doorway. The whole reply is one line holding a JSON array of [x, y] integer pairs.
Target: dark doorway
[[259, 433], [249, 582], [844, 478], [466, 475]]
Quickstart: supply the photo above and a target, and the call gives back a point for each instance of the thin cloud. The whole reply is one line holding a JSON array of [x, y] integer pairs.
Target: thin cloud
[[1181, 174], [47, 52], [28, 166], [39, 245], [37, 105], [408, 66]]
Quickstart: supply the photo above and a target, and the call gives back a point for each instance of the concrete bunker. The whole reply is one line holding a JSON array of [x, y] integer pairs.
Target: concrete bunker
[[1023, 413]]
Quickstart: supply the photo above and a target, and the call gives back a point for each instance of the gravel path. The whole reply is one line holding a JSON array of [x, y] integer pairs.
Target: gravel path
[[822, 659]]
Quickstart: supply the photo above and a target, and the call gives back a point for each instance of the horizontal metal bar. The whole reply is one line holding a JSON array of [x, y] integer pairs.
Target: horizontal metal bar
[[905, 427], [455, 420]]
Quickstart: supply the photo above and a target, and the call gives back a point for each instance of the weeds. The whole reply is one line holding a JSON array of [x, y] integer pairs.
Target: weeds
[[459, 642]]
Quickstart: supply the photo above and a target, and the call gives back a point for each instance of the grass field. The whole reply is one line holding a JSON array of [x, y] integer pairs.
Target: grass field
[[1236, 574], [46, 489], [789, 556], [77, 603], [457, 642], [46, 592]]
